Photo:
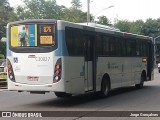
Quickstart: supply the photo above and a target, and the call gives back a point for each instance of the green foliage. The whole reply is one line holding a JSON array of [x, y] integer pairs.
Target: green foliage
[[2, 49], [6, 15], [123, 25], [132, 27], [103, 20], [74, 15], [151, 27], [136, 27], [48, 9], [40, 9], [76, 4]]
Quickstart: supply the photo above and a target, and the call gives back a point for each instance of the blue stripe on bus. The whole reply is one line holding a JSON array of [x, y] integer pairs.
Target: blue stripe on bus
[[7, 45], [31, 35], [8, 52], [62, 48]]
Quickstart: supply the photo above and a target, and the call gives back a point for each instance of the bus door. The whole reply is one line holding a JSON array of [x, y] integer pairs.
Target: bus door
[[89, 58]]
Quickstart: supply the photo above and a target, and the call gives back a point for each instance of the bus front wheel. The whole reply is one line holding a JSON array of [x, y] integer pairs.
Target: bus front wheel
[[140, 85], [105, 87]]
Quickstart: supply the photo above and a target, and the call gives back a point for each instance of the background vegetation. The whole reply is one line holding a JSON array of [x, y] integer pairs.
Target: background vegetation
[[48, 9]]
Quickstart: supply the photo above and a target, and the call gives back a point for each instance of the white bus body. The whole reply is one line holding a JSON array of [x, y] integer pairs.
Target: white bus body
[[67, 66]]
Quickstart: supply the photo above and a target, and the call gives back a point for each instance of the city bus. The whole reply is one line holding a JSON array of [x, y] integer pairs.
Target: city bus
[[73, 58]]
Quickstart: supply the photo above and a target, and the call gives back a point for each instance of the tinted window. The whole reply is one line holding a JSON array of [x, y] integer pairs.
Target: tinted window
[[131, 47], [138, 47], [110, 46], [145, 48], [99, 45], [120, 47], [74, 42]]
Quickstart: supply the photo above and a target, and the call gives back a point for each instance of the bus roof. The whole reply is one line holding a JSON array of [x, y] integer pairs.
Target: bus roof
[[116, 31], [96, 26]]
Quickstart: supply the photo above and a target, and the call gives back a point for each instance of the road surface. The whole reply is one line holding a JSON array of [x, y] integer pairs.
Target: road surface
[[124, 99]]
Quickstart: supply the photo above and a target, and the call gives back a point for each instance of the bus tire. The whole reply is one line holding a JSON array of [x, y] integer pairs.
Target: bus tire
[[62, 94], [105, 87], [159, 71], [140, 85]]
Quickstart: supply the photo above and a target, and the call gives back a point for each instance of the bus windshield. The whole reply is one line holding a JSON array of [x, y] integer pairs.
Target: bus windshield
[[32, 35]]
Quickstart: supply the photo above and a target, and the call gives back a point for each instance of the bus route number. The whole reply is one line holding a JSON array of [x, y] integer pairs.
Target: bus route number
[[42, 58]]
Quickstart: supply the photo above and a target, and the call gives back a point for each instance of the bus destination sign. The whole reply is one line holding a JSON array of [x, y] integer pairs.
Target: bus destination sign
[[46, 40], [46, 29]]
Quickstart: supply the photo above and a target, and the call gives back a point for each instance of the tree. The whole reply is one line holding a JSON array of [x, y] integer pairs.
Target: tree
[[40, 9], [74, 15], [136, 27], [6, 15], [123, 25], [131, 27], [48, 9], [3, 48], [151, 27], [76, 4], [103, 20]]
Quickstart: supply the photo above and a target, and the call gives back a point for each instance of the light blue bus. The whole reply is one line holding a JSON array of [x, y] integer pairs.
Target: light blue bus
[[70, 58]]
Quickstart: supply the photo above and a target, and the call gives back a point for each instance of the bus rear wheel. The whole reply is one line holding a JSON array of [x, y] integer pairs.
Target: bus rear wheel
[[62, 94], [105, 87]]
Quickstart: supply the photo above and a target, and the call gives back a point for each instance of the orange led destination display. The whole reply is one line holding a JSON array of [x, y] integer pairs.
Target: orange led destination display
[[46, 29], [46, 40]]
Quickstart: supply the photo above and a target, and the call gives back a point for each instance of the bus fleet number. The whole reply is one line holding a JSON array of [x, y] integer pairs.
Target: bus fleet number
[[42, 58]]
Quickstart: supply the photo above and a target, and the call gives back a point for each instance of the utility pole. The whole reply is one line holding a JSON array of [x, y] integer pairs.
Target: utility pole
[[88, 11]]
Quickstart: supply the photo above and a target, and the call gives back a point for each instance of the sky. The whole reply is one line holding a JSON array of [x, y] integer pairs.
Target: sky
[[131, 10]]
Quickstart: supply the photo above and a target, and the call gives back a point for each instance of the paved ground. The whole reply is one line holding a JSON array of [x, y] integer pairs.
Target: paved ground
[[125, 99]]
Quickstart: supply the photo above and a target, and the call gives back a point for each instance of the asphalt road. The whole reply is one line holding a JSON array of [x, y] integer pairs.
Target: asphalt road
[[124, 99]]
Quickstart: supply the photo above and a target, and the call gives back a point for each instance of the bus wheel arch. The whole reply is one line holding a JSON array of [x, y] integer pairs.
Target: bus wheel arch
[[105, 86], [142, 79]]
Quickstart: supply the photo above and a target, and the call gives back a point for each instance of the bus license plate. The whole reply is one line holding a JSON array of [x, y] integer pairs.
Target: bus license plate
[[32, 78]]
